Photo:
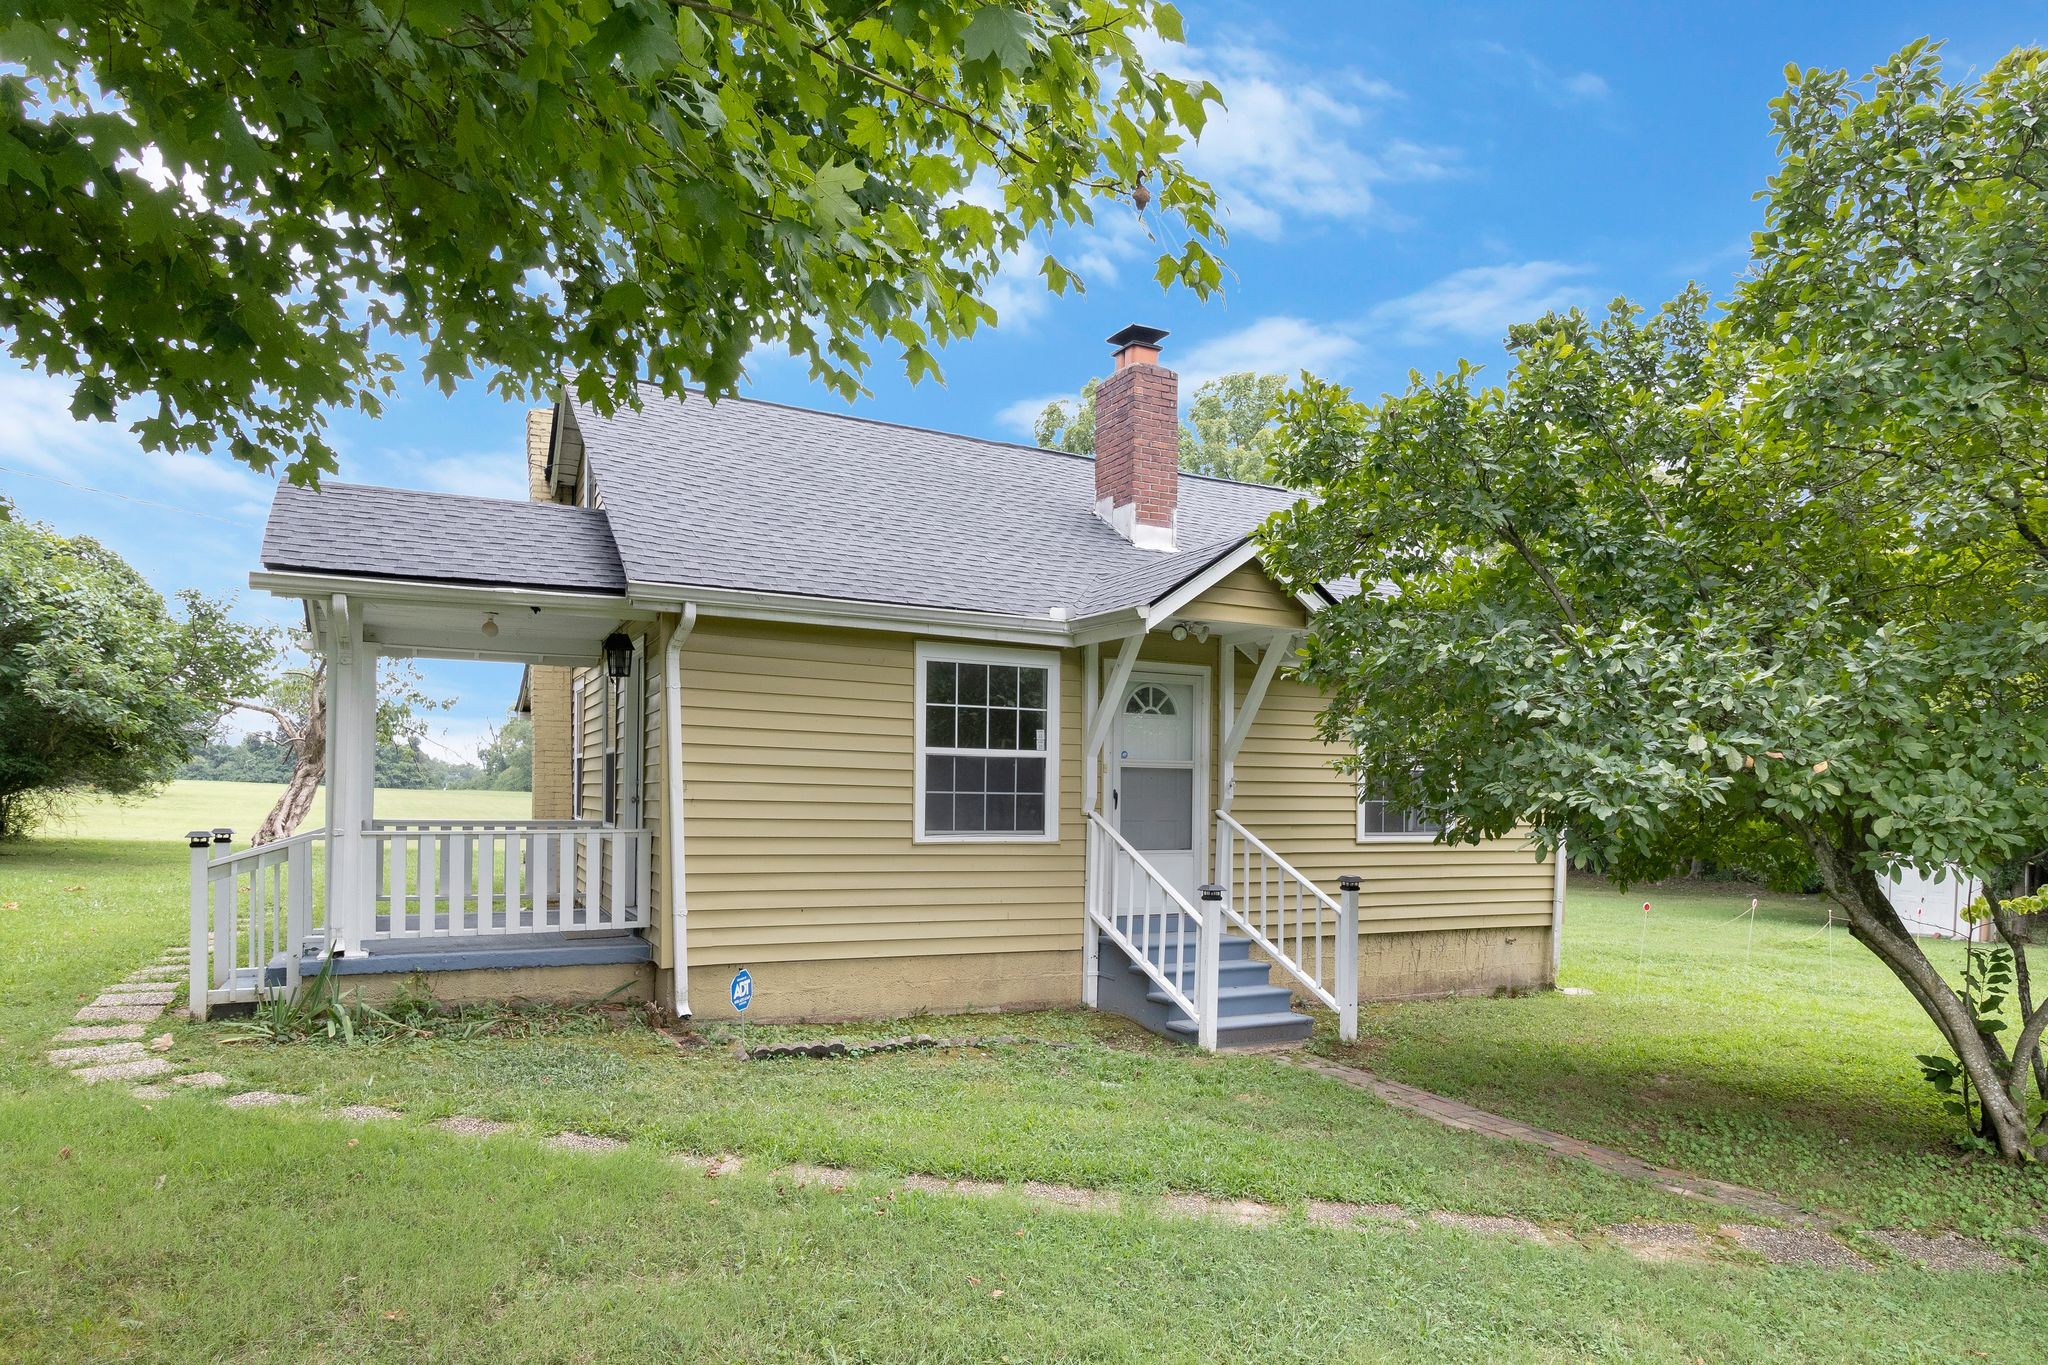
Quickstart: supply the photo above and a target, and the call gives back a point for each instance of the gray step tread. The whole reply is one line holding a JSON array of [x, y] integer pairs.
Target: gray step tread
[[1244, 969], [1231, 1023], [1226, 996]]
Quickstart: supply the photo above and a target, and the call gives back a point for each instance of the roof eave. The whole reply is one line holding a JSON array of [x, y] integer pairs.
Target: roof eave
[[854, 614]]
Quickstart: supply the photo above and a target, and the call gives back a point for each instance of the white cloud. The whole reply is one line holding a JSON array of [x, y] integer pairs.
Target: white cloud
[[1482, 301], [41, 436], [490, 474], [1275, 345], [1558, 87], [1095, 251], [1292, 144], [1021, 417]]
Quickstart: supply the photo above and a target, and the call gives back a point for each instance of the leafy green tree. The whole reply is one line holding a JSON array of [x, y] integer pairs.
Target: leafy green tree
[[531, 187], [507, 757], [1228, 431], [102, 687], [1787, 568], [254, 758], [293, 694], [405, 765]]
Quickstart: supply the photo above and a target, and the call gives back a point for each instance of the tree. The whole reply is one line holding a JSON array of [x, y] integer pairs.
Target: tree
[[507, 757], [1229, 431], [1672, 576], [102, 687], [534, 187], [293, 694]]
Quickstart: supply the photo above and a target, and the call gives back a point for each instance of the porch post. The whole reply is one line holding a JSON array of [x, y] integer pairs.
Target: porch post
[[351, 775], [1347, 960], [1208, 966], [199, 974]]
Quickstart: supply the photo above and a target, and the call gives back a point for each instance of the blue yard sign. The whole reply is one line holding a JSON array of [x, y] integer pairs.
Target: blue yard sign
[[742, 990]]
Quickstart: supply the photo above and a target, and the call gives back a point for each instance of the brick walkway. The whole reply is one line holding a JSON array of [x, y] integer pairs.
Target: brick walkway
[[1467, 1118]]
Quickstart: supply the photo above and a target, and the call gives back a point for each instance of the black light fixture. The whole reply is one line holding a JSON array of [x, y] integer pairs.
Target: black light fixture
[[618, 655]]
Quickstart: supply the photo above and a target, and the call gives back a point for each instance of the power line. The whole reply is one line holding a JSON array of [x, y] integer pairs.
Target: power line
[[126, 497]]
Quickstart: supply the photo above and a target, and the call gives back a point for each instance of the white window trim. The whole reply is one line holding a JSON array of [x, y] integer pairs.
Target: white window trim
[[576, 746], [1363, 836], [1047, 659]]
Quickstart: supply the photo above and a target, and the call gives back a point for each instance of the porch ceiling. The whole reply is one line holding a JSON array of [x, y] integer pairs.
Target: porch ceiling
[[538, 635], [446, 621]]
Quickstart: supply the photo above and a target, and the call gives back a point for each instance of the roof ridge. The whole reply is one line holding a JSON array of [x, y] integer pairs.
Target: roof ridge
[[935, 431]]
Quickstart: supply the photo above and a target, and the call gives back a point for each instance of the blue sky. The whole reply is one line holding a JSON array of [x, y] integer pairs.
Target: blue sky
[[1401, 184]]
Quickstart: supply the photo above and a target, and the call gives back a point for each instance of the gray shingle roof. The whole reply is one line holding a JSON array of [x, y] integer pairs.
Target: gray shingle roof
[[756, 496], [442, 537]]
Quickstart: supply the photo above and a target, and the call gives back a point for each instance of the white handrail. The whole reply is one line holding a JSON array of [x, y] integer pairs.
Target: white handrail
[[247, 909], [1317, 919], [1157, 915]]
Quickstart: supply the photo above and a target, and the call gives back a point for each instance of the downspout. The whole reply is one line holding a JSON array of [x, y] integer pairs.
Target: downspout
[[1558, 864], [672, 772]]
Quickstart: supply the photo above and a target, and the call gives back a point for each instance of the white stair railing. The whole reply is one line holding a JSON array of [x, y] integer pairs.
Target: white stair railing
[[1309, 935], [248, 908], [1142, 913]]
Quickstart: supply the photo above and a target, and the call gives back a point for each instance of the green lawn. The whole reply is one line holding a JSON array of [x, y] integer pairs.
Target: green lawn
[[1784, 1062], [179, 1230], [241, 806]]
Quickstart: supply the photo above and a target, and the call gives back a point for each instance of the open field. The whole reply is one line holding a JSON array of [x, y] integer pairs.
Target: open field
[[1781, 1059], [241, 806], [177, 1229]]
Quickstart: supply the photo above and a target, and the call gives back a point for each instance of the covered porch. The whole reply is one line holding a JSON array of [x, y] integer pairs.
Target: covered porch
[[1207, 930], [363, 894]]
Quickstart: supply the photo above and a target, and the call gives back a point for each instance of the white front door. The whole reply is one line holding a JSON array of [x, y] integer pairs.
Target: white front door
[[1156, 777]]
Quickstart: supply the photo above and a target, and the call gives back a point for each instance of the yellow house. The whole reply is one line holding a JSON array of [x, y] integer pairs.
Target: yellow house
[[889, 720]]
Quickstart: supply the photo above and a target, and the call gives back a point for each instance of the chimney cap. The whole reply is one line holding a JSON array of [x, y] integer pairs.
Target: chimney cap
[[1137, 334]]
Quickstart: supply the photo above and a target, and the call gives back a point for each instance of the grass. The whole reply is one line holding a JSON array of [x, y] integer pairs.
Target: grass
[[241, 806], [179, 1230], [1785, 1062]]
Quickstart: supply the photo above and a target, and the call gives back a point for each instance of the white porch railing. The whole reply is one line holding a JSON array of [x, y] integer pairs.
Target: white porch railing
[[1297, 925], [249, 908], [1143, 914], [477, 878]]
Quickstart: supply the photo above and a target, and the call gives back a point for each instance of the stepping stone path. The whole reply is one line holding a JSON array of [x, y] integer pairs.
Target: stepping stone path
[[86, 1033], [1795, 1246], [106, 1045], [260, 1099], [1948, 1251], [584, 1142]]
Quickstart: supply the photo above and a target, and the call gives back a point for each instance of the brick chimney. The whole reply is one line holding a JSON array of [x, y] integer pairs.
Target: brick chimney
[[1137, 441]]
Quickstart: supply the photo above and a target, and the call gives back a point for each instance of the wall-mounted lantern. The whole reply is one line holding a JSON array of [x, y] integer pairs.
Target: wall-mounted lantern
[[618, 655]]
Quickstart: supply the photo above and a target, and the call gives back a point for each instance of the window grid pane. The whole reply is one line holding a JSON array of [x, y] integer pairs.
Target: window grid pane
[[986, 733]]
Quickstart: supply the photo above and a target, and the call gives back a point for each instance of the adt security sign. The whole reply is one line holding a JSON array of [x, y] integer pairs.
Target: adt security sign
[[742, 990]]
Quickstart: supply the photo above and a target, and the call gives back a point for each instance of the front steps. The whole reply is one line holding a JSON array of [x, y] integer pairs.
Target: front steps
[[1250, 1010]]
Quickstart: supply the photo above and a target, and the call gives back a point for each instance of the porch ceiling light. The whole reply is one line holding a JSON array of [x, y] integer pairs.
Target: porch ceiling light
[[618, 655], [490, 625]]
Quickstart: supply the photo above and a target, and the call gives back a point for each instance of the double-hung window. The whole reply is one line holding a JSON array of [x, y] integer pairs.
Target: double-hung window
[[987, 743], [1382, 819]]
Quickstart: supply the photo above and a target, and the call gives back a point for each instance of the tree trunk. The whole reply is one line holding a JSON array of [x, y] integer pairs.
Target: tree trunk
[[1876, 925], [309, 768]]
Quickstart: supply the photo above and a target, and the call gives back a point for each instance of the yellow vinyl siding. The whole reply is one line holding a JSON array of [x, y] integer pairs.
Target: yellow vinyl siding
[[799, 752], [1289, 796], [1247, 597]]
